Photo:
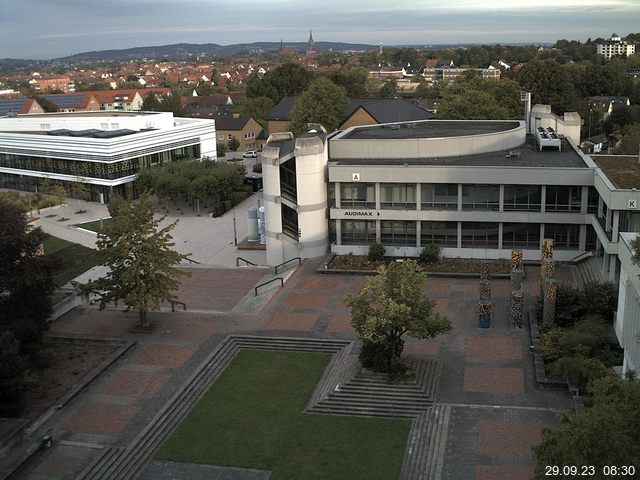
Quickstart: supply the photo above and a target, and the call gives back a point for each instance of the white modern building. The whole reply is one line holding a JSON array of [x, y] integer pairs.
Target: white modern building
[[104, 150], [627, 320], [614, 47]]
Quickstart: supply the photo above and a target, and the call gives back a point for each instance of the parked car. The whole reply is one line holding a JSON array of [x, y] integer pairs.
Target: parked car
[[250, 154]]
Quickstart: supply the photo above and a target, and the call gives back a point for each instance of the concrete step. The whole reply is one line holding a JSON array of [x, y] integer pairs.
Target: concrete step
[[364, 412]]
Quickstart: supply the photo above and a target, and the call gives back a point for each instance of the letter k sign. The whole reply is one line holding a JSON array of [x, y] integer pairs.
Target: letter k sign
[[632, 204]]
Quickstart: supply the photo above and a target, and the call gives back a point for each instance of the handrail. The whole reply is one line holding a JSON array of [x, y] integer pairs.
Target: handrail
[[266, 283], [244, 260], [173, 305], [284, 263], [192, 261]]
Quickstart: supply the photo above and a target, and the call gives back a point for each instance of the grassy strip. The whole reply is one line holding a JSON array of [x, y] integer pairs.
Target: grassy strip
[[253, 417], [73, 259], [94, 225]]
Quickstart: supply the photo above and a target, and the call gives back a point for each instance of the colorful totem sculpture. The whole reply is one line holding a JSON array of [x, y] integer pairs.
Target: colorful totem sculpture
[[484, 306]]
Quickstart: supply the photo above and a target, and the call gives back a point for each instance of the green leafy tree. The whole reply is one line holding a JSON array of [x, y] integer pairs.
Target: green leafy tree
[[139, 255], [26, 277], [635, 244], [390, 305], [151, 103], [353, 79], [389, 89], [13, 367], [323, 102], [289, 79], [221, 149], [549, 84], [606, 434], [257, 108], [233, 144]]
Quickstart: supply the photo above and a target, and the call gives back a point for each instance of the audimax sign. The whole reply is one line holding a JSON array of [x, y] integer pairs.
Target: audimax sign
[[361, 213]]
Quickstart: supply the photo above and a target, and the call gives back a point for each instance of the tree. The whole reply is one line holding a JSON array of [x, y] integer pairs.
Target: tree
[[139, 255], [323, 102], [549, 84], [606, 434], [233, 144], [353, 79], [257, 108], [151, 103], [13, 367], [287, 80], [635, 244], [26, 277], [389, 89], [390, 305], [221, 149]]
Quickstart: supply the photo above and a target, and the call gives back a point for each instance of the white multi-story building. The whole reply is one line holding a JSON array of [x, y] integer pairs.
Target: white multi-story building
[[627, 322], [614, 47], [104, 150]]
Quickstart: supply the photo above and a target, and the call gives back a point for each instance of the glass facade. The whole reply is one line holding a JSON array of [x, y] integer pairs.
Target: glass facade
[[479, 235], [565, 236], [103, 170], [358, 232], [398, 195], [443, 234], [357, 195], [563, 199], [288, 185], [481, 197], [522, 198], [289, 221], [525, 235], [398, 233], [439, 196]]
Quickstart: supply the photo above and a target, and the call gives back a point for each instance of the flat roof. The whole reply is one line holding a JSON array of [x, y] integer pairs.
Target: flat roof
[[526, 155], [622, 170], [101, 113], [430, 129]]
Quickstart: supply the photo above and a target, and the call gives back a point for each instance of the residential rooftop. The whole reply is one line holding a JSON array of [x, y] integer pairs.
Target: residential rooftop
[[622, 170]]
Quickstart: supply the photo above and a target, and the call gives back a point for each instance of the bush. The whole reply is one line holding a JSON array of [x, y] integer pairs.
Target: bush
[[550, 344], [375, 355], [430, 254], [13, 367], [574, 304], [376, 252], [580, 371], [257, 168], [221, 149]]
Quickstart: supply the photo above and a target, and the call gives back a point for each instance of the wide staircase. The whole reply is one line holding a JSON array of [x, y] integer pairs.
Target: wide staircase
[[588, 270]]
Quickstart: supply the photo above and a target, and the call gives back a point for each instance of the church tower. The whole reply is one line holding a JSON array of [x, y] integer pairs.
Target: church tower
[[311, 45]]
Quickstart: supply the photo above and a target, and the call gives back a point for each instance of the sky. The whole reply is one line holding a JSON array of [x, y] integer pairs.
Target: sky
[[43, 29]]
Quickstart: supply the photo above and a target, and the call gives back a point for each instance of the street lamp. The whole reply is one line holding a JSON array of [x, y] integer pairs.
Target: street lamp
[[235, 233]]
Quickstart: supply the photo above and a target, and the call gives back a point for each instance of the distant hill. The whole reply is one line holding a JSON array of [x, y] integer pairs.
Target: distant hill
[[182, 50]]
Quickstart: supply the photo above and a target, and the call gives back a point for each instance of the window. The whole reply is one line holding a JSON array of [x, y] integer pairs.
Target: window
[[288, 182], [522, 198], [229, 136], [398, 195], [357, 195], [358, 232], [521, 235], [331, 195], [45, 126], [221, 137], [564, 236], [443, 234], [592, 200], [439, 196], [480, 197], [563, 199], [289, 222], [479, 235], [398, 233]]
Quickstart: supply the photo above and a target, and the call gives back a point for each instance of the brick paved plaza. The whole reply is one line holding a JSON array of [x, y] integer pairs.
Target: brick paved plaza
[[487, 375]]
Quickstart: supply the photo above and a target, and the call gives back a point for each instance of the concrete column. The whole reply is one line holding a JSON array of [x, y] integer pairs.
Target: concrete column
[[459, 235], [607, 221], [501, 204], [613, 264], [418, 241], [615, 224], [459, 197], [418, 197], [378, 235], [543, 200], [584, 200], [338, 232], [377, 190], [600, 204], [500, 231], [338, 194], [582, 238], [541, 233]]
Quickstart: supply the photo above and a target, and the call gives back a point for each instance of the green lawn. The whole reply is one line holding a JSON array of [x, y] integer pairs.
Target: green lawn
[[73, 259], [94, 226], [253, 417]]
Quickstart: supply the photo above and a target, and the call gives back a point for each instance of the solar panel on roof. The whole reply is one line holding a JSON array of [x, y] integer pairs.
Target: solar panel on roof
[[84, 133], [10, 106], [59, 132], [73, 100]]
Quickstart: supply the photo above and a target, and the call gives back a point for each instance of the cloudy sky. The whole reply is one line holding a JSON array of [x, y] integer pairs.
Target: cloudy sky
[[53, 28]]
